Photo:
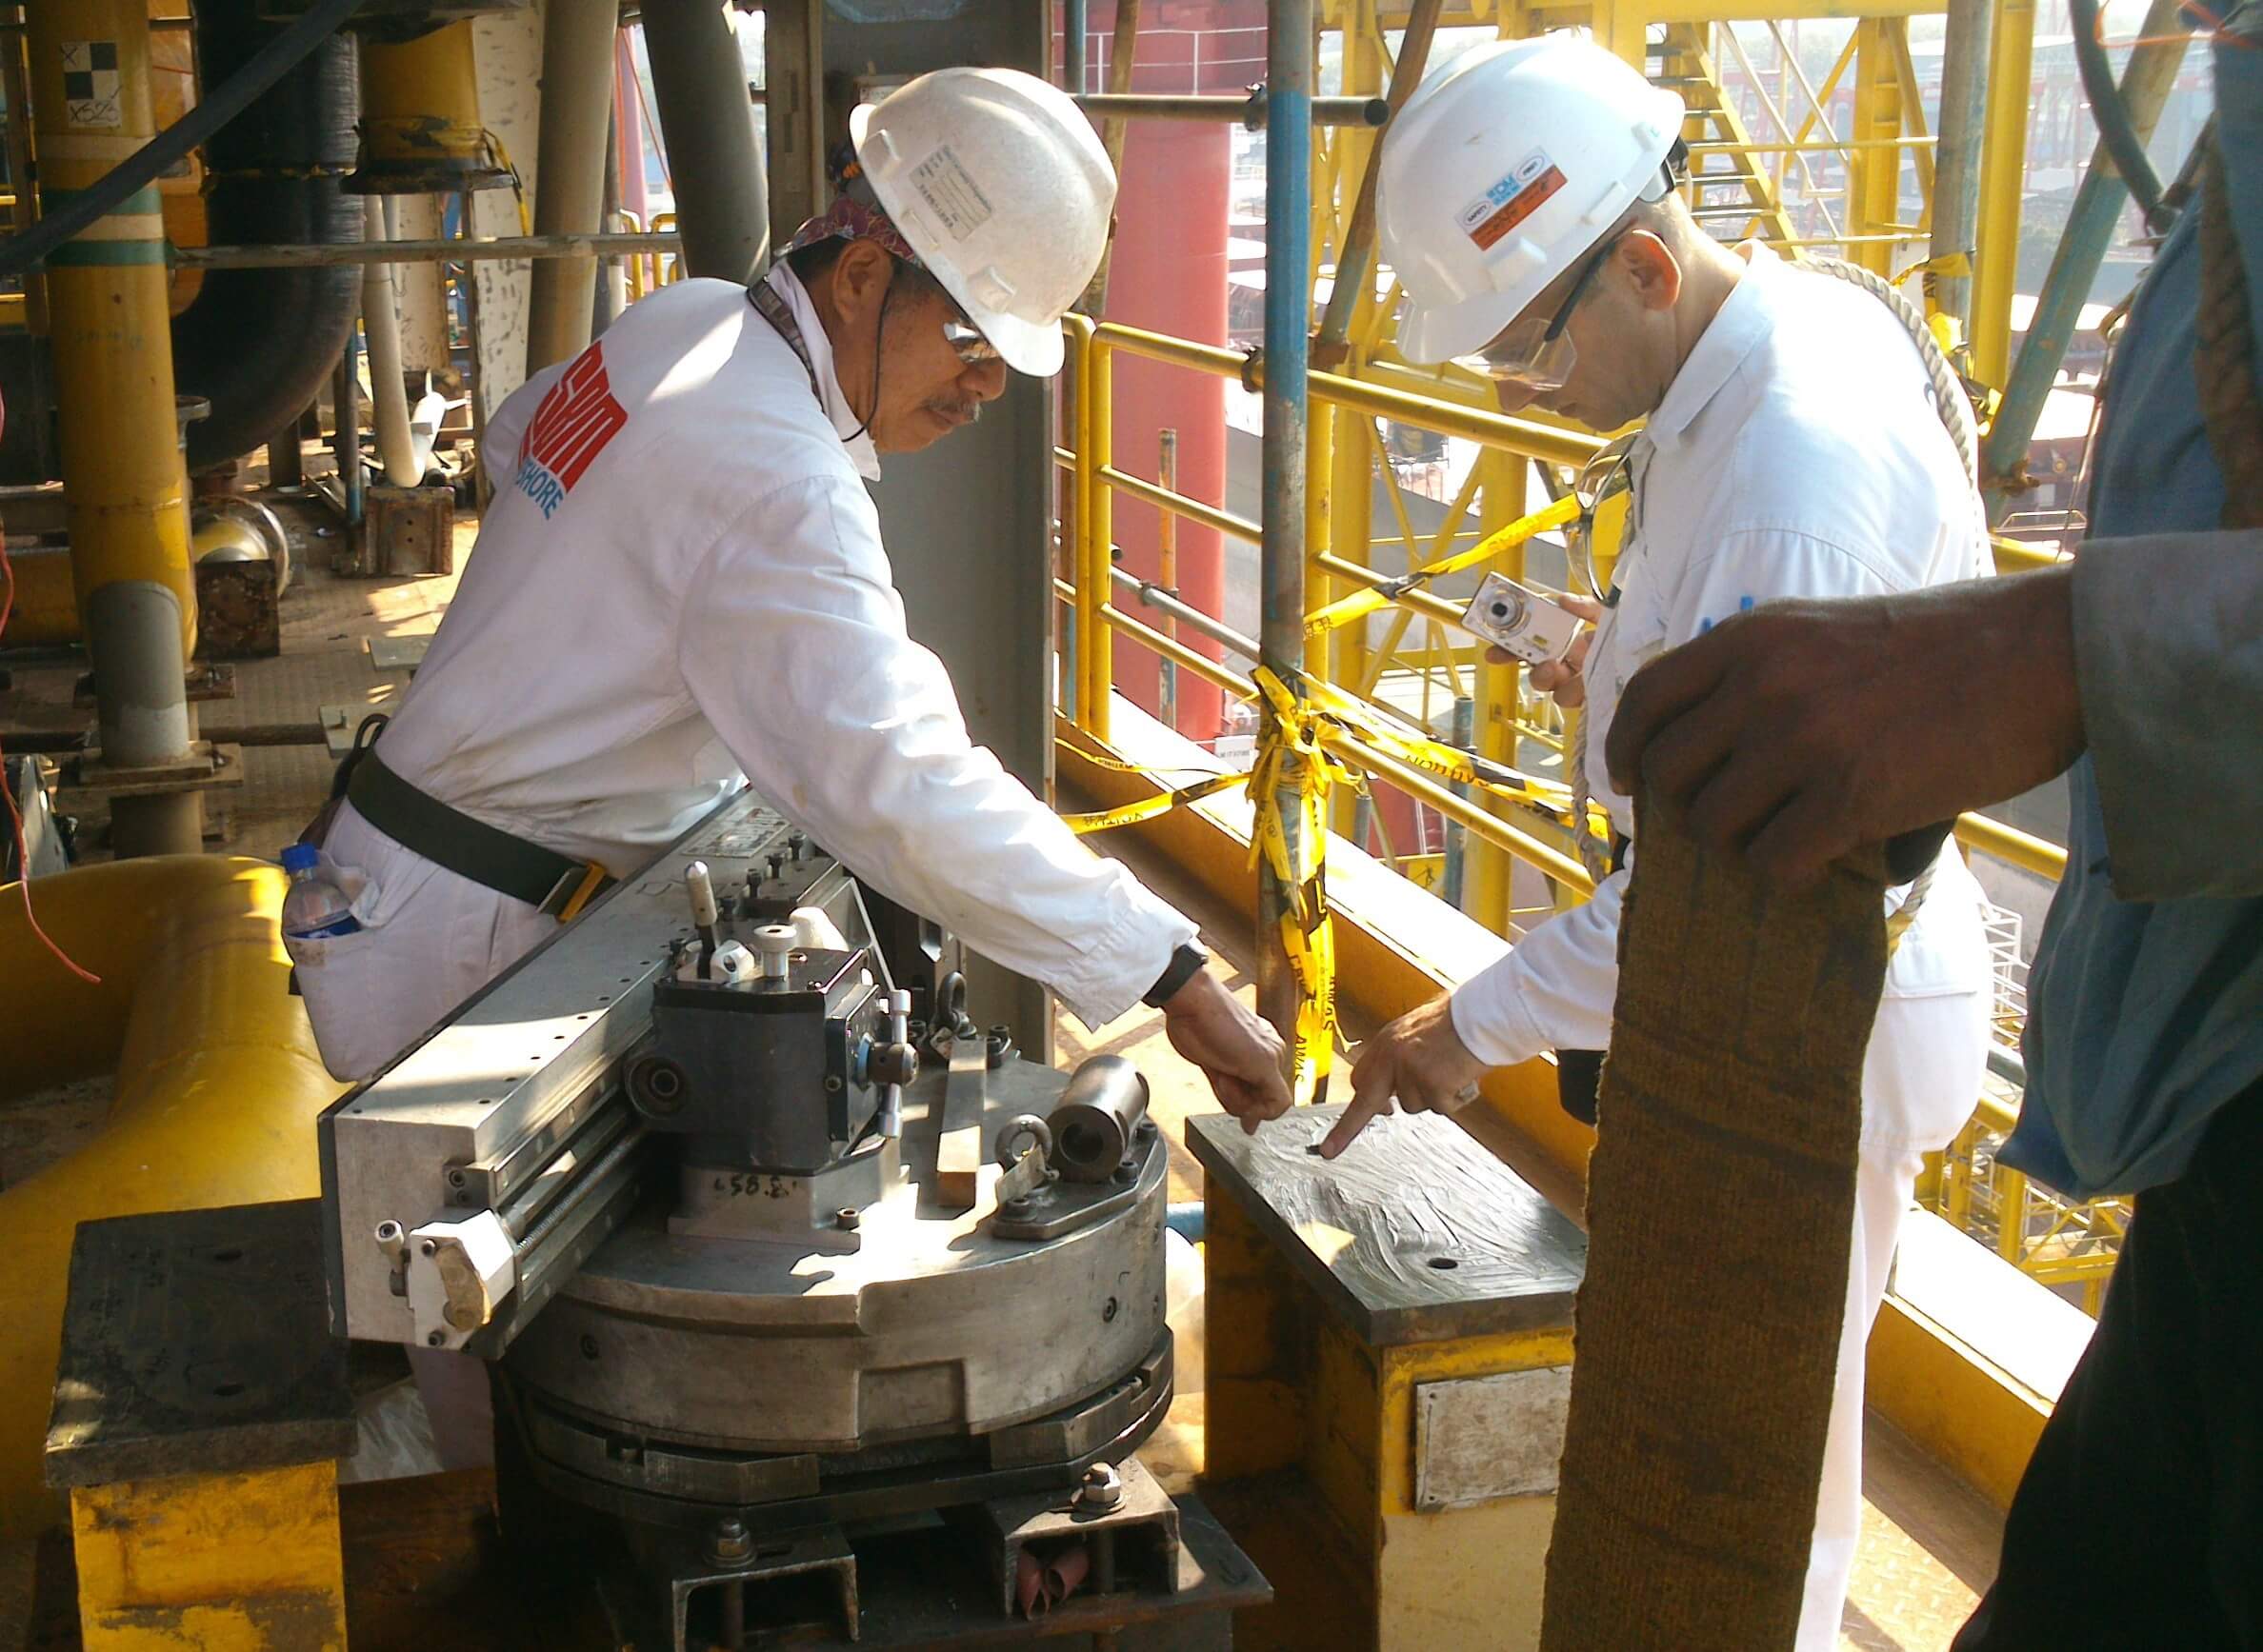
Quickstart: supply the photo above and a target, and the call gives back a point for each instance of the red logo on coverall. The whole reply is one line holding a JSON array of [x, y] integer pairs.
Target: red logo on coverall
[[570, 429]]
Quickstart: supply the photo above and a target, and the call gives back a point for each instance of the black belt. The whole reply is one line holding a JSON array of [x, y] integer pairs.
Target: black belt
[[491, 857]]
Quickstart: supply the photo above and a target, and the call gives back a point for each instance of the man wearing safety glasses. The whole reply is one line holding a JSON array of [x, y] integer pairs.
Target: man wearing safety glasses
[[680, 587], [1798, 442]]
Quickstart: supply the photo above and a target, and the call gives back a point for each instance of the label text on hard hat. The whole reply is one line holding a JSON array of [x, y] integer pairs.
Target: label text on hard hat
[[958, 203], [1514, 199]]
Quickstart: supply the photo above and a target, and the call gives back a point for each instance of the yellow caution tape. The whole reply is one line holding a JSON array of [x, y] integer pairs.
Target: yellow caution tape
[[1361, 604], [1148, 807], [1948, 264], [1293, 771]]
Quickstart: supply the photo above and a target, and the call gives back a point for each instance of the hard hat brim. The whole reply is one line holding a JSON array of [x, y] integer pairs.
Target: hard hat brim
[[1437, 333], [1024, 347]]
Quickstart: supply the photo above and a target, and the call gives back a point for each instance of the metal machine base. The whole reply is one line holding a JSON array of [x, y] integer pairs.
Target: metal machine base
[[925, 1545], [1172, 1581]]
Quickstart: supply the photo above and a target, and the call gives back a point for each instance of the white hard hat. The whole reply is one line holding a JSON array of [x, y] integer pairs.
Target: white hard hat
[[1003, 191], [1504, 167]]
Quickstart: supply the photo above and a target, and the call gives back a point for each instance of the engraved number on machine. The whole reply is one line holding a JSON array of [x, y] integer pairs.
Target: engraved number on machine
[[740, 1186]]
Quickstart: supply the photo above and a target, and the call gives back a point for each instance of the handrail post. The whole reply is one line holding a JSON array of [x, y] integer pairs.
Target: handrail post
[[1096, 645], [1074, 513]]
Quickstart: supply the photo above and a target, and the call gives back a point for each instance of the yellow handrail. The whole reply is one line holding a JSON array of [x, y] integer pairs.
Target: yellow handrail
[[1094, 479]]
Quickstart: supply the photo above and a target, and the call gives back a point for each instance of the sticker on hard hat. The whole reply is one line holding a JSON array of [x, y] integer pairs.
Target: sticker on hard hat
[[951, 195], [1512, 200]]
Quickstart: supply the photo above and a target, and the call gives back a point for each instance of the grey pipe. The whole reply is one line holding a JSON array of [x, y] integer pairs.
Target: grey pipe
[[1956, 157], [707, 120], [1281, 556], [388, 392], [577, 84], [134, 631], [1253, 111], [502, 249]]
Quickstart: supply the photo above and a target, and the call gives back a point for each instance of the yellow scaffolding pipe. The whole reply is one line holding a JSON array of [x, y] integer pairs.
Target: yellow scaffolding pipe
[[2003, 188]]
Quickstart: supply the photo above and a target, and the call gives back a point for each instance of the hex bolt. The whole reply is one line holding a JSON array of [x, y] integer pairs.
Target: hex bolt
[[1103, 1487], [729, 1540]]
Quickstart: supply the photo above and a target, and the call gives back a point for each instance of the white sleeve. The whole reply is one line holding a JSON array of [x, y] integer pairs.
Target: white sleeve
[[1756, 566], [792, 644], [1556, 987], [1552, 990]]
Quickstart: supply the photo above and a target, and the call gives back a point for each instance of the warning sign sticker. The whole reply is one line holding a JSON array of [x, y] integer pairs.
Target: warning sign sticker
[[958, 204], [91, 84], [1512, 200]]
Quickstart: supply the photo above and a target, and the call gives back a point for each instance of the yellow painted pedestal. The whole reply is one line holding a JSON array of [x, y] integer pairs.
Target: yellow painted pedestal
[[1387, 1351]]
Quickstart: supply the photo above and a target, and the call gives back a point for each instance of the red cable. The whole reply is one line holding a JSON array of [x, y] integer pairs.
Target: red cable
[[16, 815]]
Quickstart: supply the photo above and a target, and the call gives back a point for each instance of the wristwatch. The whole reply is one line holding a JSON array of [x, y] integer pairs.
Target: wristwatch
[[1184, 965]]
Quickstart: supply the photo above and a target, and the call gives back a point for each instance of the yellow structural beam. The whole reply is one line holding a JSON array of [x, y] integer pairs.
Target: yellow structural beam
[[218, 1084], [211, 1563], [2003, 188]]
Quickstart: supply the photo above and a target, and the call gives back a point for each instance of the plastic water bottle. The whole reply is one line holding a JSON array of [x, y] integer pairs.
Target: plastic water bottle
[[313, 908]]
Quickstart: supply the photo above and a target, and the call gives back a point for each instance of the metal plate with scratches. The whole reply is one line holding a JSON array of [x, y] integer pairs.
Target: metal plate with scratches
[[194, 1342], [1416, 1234]]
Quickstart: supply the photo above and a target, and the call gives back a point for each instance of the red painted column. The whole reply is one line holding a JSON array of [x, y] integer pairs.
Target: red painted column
[[1168, 274]]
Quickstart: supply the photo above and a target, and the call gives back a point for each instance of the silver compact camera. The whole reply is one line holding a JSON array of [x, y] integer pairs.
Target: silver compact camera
[[1520, 619]]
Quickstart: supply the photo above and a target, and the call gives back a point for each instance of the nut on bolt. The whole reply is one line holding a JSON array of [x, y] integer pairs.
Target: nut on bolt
[[729, 1540], [1103, 1487]]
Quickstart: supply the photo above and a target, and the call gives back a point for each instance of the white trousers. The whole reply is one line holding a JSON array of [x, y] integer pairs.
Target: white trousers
[[1923, 1069], [1884, 1184], [429, 940]]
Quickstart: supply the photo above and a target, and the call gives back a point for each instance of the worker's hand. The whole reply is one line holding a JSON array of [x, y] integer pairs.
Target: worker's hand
[[1799, 731], [1238, 1049], [1563, 678], [1421, 1060]]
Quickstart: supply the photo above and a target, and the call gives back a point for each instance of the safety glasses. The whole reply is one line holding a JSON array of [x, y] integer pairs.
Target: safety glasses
[[965, 338], [1535, 357], [959, 332]]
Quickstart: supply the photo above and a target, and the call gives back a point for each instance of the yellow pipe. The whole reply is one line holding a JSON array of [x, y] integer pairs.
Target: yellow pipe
[[109, 323], [218, 1086], [1992, 837], [420, 124], [1209, 516], [1537, 441], [45, 610], [2003, 188], [2013, 557]]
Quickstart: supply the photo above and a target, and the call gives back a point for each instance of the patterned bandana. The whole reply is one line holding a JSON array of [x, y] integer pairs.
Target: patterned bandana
[[855, 216]]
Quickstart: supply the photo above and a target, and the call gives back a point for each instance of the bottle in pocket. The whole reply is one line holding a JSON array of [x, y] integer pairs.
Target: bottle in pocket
[[314, 909]]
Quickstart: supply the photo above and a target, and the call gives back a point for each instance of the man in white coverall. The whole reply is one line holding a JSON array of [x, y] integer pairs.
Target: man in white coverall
[[680, 587], [1793, 447]]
